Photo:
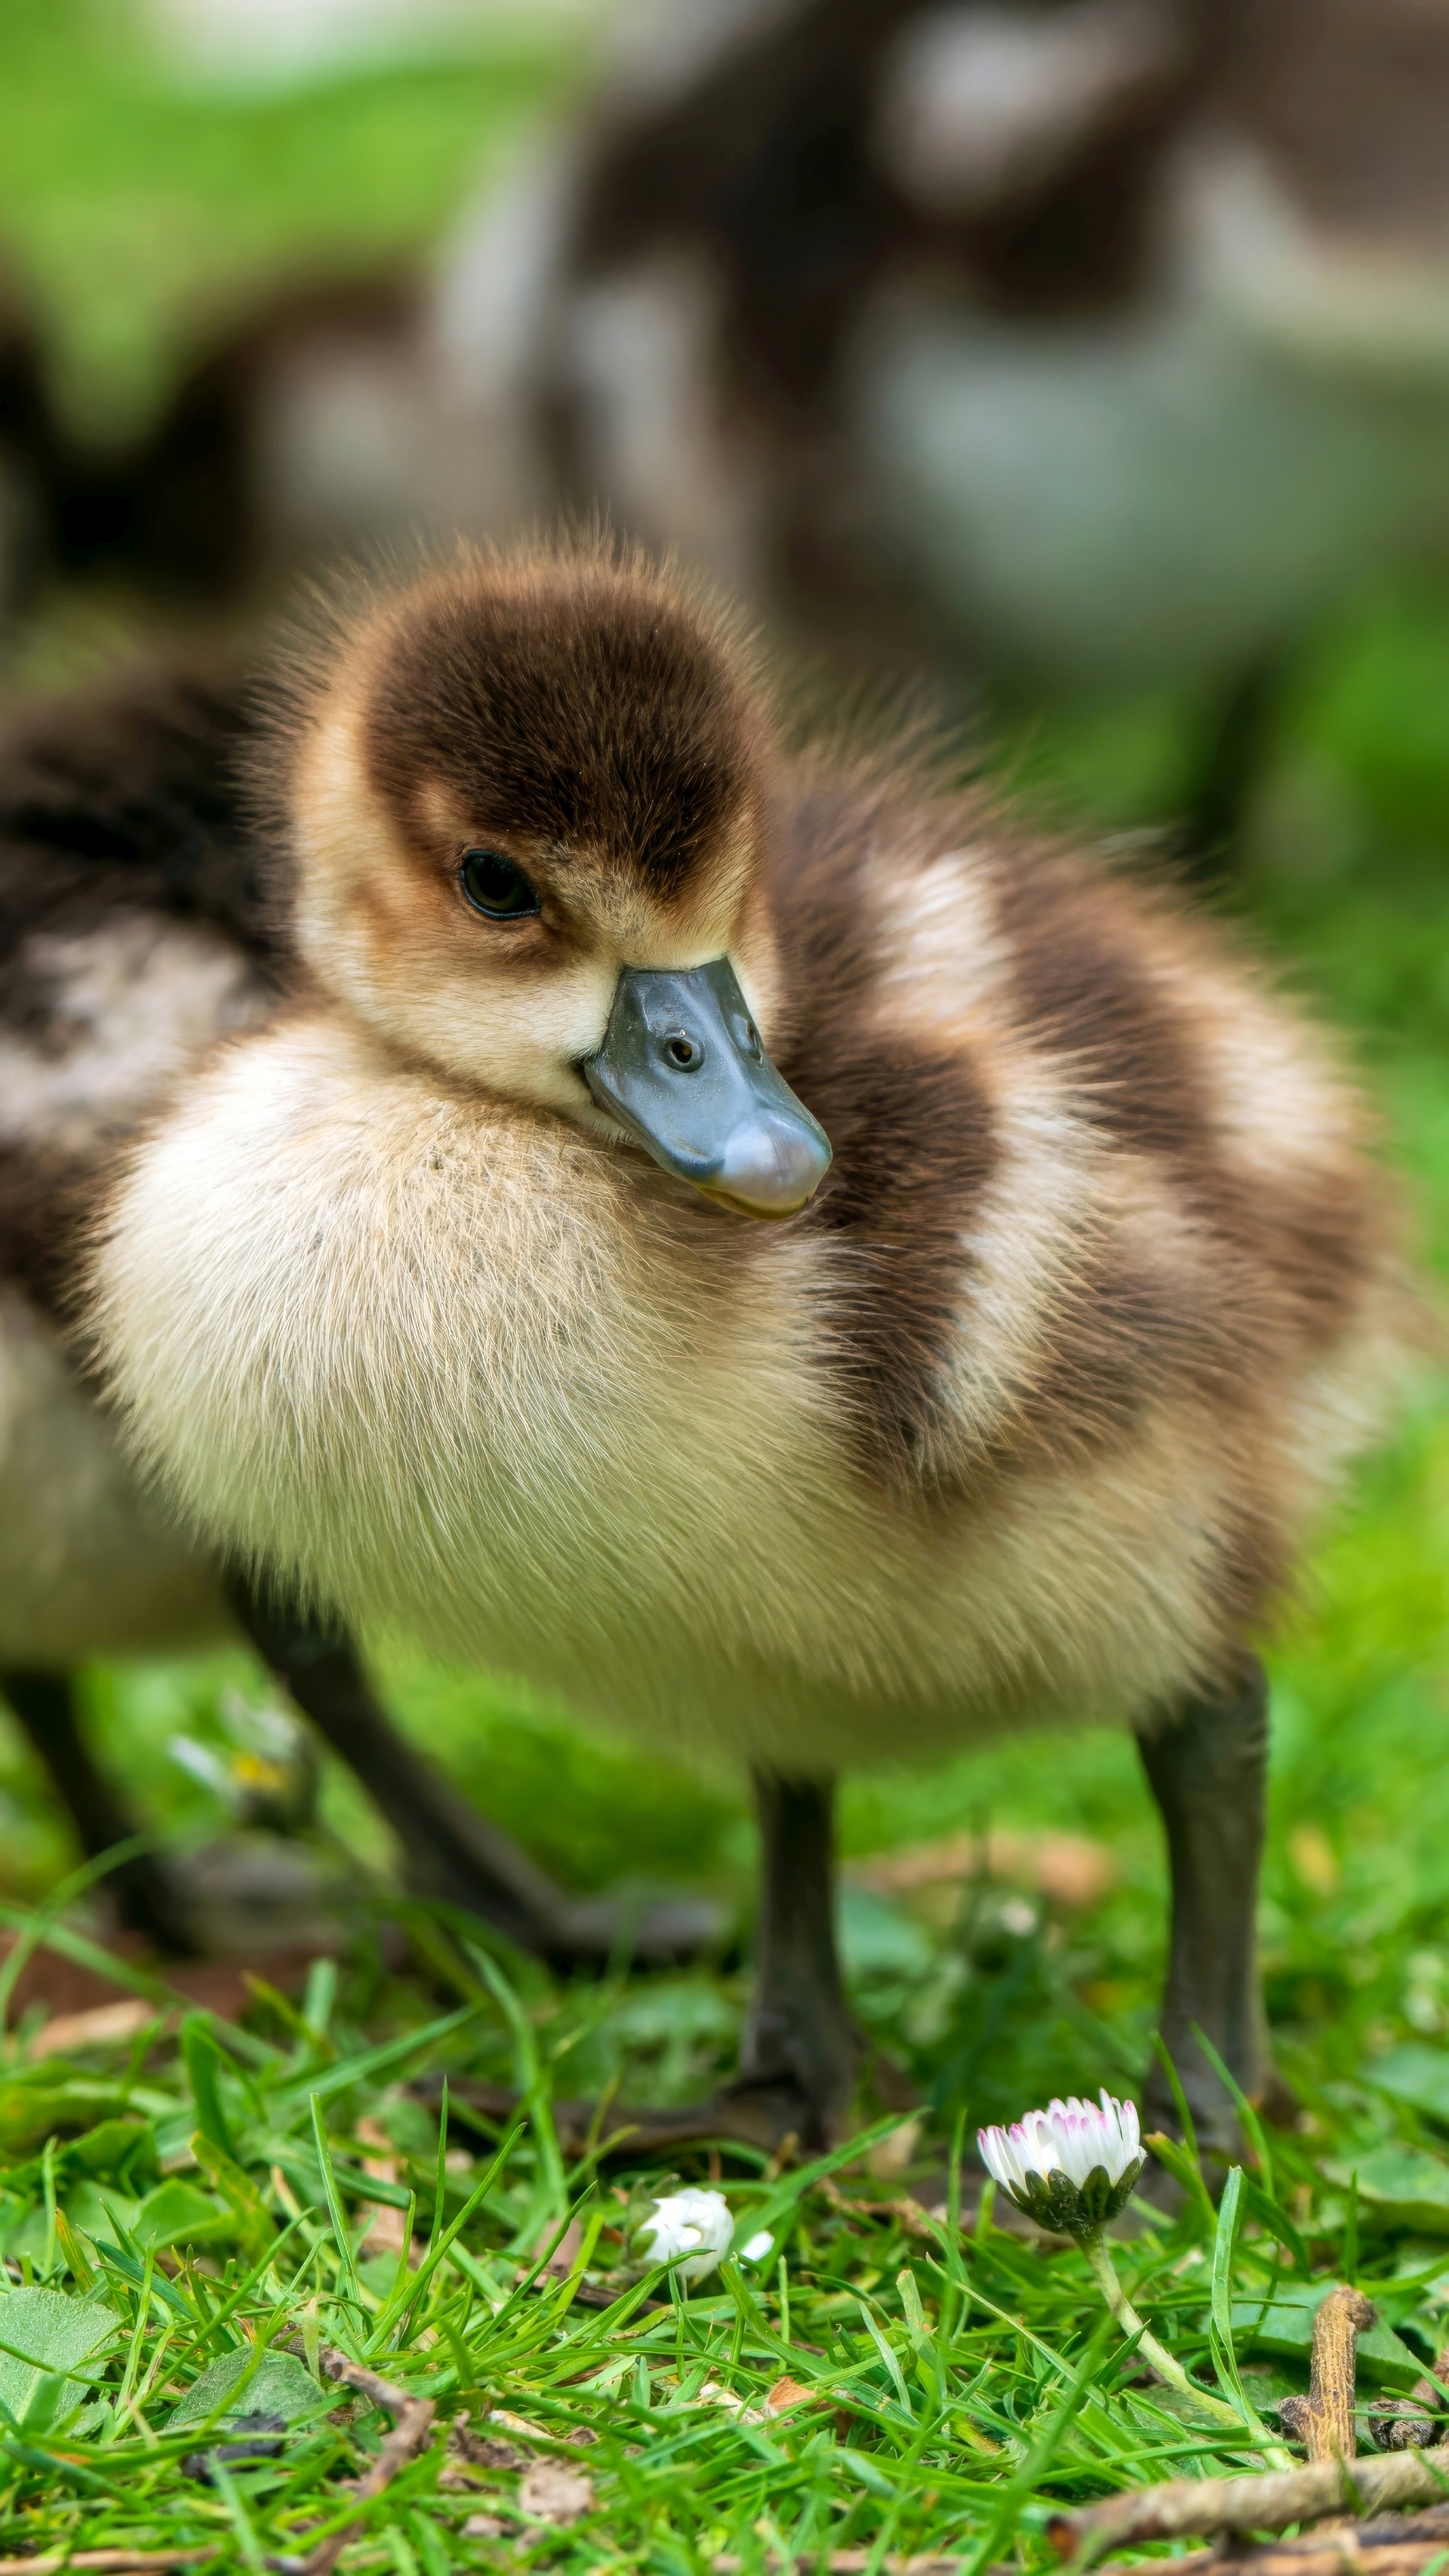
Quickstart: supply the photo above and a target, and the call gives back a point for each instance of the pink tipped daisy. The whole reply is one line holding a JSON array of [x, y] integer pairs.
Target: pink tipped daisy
[[1071, 2167]]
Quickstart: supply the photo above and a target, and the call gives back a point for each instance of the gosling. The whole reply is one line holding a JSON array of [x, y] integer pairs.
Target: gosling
[[758, 1243]]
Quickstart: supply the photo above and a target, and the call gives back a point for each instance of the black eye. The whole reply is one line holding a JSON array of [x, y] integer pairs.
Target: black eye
[[494, 885]]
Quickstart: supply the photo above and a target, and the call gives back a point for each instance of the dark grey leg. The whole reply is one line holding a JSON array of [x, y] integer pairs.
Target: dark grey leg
[[1236, 745], [800, 2051], [145, 1895], [1207, 1765], [450, 1851]]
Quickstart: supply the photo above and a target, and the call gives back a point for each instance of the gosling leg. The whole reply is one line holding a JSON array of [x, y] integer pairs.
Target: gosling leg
[[450, 1851], [800, 2051], [145, 1895], [1237, 742], [1207, 1766]]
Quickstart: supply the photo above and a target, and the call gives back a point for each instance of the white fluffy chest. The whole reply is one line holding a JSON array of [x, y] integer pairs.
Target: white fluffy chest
[[468, 1374], [466, 1380]]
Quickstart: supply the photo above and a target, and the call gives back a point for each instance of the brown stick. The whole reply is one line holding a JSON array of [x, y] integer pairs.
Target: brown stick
[[1338, 2554], [1208, 2505], [1402, 2546], [1323, 2420], [108, 2562], [1380, 2547], [854, 2562], [414, 2422]]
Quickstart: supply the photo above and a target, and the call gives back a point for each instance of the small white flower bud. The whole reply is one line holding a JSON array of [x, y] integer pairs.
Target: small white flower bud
[[691, 2230], [758, 2247]]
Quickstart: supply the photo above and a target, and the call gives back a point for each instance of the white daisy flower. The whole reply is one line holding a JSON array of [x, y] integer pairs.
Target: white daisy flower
[[691, 2230], [1071, 2167]]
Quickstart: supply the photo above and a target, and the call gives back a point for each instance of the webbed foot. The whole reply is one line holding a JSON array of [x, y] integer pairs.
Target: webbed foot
[[769, 2116], [451, 1853]]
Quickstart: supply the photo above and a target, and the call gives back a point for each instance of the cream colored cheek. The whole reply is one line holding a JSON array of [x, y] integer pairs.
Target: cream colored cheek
[[528, 1038]]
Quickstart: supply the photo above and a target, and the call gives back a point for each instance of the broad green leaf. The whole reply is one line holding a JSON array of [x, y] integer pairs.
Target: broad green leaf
[[250, 2221], [278, 2386], [176, 2213], [30, 2113], [95, 2208], [124, 2150], [1398, 2186], [49, 2335], [1415, 2074]]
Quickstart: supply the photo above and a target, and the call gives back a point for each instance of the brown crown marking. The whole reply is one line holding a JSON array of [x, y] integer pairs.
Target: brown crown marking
[[579, 704]]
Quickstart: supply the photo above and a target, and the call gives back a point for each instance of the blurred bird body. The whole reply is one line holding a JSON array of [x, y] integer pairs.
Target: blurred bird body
[[1105, 341], [1121, 343], [126, 951], [90, 1564], [1120, 509]]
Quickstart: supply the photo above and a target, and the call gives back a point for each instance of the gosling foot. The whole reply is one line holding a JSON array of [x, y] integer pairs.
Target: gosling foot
[[464, 1859], [774, 2117], [144, 1897], [450, 1852]]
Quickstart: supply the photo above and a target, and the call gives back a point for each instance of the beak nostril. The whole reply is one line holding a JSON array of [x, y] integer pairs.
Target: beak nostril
[[734, 1129]]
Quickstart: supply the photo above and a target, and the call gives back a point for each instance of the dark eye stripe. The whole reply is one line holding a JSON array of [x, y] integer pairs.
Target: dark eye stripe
[[496, 887]]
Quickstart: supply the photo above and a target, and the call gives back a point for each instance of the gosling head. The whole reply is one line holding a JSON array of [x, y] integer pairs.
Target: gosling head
[[524, 800]]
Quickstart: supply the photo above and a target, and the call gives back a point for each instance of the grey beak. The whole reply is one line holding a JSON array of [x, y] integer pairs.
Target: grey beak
[[683, 1069]]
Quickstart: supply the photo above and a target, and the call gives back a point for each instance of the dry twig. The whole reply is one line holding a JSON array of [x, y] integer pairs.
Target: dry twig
[[106, 2562], [1208, 2505], [1401, 2545], [1323, 2420], [854, 2562], [412, 2423]]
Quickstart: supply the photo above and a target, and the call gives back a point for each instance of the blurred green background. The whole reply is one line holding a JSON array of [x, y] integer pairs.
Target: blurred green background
[[137, 200]]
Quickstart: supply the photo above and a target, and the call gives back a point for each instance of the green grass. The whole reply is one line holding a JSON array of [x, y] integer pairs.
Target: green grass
[[190, 2213], [163, 2202]]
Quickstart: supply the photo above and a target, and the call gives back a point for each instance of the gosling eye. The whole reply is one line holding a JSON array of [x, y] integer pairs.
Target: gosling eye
[[493, 885]]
